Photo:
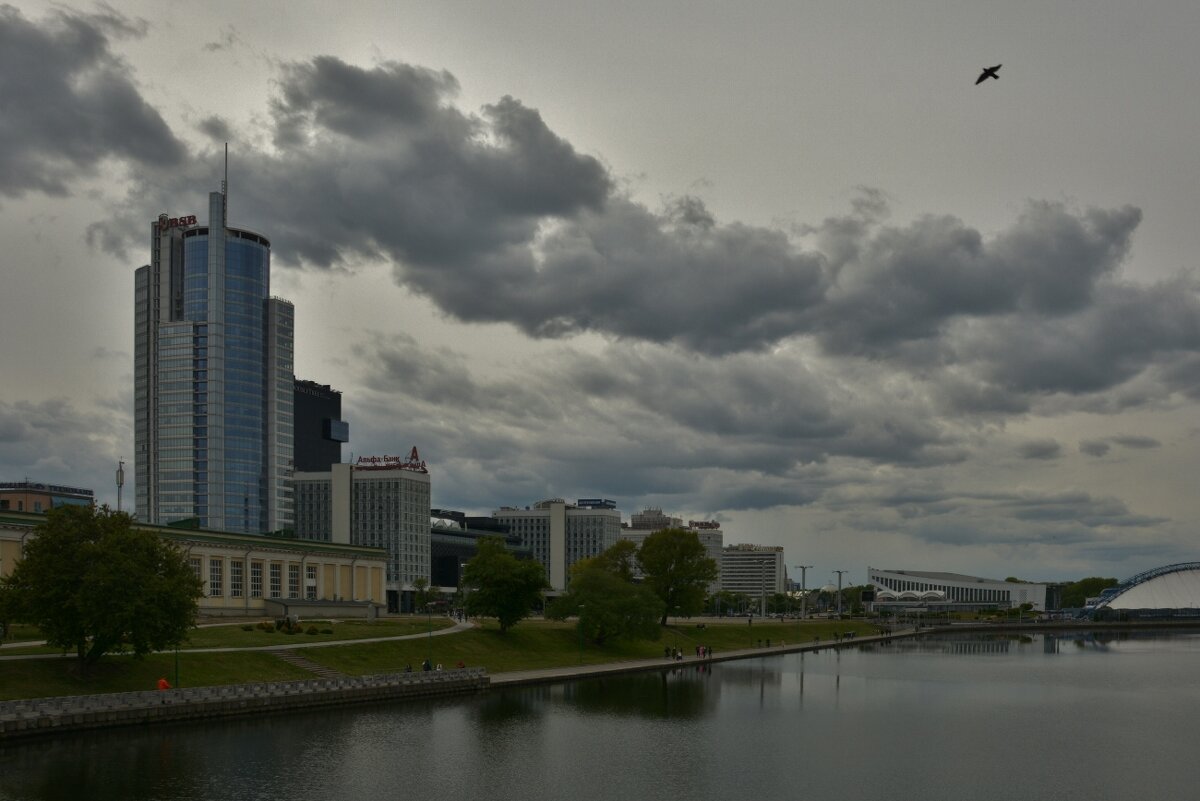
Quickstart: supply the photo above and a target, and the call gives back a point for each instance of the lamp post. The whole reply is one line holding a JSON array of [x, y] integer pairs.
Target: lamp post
[[462, 585], [803, 589], [429, 640], [839, 607], [581, 606]]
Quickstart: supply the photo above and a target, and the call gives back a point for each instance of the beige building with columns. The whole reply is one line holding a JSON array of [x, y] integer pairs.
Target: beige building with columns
[[243, 573]]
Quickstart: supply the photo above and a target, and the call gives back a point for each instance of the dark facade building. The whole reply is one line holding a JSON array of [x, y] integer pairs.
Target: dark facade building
[[320, 430], [454, 540]]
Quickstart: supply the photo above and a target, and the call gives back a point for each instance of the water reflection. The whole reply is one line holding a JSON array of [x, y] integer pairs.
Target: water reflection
[[682, 693], [962, 716]]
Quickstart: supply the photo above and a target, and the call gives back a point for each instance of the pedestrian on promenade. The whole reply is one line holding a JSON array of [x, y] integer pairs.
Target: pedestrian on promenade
[[163, 684], [425, 666]]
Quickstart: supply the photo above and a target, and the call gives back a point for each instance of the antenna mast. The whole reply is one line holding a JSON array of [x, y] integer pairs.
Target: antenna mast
[[225, 190]]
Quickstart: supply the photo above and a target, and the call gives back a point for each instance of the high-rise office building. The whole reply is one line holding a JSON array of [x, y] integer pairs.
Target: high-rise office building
[[214, 386], [320, 430]]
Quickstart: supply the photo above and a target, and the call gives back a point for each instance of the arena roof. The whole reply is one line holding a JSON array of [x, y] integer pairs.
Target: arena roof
[[1169, 587]]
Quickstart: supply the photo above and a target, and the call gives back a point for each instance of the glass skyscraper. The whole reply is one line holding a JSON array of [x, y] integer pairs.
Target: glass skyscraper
[[213, 379]]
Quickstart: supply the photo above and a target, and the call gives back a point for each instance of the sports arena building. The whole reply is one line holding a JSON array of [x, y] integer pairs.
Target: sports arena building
[[954, 592], [1171, 591]]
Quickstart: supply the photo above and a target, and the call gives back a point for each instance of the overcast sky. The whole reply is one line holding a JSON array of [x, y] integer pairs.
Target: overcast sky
[[782, 265]]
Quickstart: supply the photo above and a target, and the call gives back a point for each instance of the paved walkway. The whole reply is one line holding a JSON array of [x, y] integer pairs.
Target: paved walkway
[[567, 673], [289, 646]]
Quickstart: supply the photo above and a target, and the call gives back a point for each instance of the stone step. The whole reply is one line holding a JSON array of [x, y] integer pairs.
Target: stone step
[[293, 658]]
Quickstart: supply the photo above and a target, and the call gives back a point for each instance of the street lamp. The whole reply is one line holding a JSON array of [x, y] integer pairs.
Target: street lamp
[[429, 641], [803, 589], [581, 606], [839, 605], [462, 586]]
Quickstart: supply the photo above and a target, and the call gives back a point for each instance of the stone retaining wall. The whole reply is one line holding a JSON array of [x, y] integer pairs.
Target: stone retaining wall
[[42, 716]]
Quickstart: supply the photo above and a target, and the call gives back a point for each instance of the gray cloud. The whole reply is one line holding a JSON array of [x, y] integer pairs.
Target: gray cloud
[[71, 103], [1136, 441], [495, 218], [56, 441], [215, 128], [1094, 447], [1042, 449]]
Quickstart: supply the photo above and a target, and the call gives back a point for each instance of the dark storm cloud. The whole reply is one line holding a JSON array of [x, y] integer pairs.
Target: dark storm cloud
[[1136, 441], [904, 284], [1126, 329], [67, 103], [1094, 447], [496, 218], [215, 128], [1042, 449]]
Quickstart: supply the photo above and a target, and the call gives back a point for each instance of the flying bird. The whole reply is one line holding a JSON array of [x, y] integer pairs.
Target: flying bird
[[988, 72]]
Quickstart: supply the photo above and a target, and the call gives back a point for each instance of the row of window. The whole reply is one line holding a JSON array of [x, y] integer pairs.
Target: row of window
[[237, 589]]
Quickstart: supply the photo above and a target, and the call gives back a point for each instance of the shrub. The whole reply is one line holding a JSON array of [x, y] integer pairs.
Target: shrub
[[247, 627], [327, 631], [312, 630]]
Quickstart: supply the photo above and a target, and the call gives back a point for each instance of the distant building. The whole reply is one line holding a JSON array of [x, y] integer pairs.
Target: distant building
[[559, 534], [951, 591], [32, 496], [754, 570], [454, 541], [320, 430], [250, 574], [378, 502], [644, 523]]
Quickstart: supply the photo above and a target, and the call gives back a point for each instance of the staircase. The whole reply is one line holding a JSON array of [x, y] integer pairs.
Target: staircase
[[293, 658]]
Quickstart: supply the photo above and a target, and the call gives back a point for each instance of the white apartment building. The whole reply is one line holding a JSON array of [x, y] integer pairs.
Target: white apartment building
[[754, 570], [560, 534], [379, 502]]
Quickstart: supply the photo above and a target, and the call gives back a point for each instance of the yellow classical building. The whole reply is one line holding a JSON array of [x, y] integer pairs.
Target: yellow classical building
[[250, 574]]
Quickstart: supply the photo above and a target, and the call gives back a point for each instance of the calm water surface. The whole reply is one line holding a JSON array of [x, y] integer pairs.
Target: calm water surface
[[965, 717]]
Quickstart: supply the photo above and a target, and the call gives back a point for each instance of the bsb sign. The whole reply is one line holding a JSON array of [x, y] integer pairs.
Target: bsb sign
[[165, 222]]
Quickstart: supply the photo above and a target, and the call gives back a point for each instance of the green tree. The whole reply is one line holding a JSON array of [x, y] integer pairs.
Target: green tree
[[677, 570], [621, 560], [605, 599], [93, 584], [422, 595], [502, 586], [608, 607], [1076, 594]]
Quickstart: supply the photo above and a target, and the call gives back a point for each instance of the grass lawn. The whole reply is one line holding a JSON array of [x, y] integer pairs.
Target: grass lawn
[[530, 645], [117, 674], [534, 644]]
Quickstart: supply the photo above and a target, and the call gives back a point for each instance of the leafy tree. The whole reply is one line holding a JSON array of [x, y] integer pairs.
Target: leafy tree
[[422, 595], [502, 586], [93, 584], [1076, 594], [677, 570], [724, 602], [621, 560], [609, 607]]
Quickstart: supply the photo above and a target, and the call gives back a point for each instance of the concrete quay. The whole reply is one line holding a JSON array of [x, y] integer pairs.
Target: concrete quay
[[49, 716], [572, 672]]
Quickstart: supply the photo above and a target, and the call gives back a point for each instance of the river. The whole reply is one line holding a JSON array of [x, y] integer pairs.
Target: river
[[1077, 716]]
